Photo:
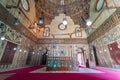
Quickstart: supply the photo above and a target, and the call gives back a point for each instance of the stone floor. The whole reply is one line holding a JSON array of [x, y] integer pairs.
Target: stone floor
[[5, 76], [116, 69], [4, 69], [80, 70], [43, 70]]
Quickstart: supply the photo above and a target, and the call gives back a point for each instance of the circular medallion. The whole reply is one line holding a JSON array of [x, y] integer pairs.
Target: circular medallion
[[99, 5], [25, 5], [61, 26]]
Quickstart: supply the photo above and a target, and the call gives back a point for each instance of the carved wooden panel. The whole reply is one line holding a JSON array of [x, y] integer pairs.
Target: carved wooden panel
[[62, 41]]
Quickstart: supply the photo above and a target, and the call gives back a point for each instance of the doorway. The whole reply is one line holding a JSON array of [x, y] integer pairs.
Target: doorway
[[8, 54], [81, 58]]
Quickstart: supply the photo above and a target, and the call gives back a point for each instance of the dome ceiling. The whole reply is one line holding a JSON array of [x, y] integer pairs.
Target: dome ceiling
[[76, 9]]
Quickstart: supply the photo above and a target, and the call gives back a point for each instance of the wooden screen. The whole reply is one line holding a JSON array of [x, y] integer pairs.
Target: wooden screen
[[8, 54]]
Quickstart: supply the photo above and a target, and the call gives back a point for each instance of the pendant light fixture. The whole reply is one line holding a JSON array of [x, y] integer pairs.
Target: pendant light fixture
[[3, 27], [88, 22], [64, 19], [16, 21], [2, 38], [3, 31], [41, 21]]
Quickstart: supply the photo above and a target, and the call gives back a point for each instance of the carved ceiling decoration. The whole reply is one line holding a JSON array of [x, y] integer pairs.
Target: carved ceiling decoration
[[111, 22], [76, 9]]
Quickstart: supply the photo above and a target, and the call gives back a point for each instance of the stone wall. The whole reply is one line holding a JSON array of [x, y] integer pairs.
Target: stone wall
[[101, 43], [17, 34], [103, 36], [22, 49]]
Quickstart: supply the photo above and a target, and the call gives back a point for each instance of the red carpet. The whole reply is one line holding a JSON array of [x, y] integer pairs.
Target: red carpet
[[23, 74]]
